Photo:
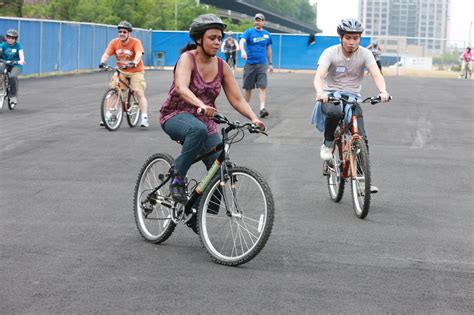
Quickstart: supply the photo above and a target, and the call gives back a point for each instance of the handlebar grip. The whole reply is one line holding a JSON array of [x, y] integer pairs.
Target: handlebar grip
[[200, 110]]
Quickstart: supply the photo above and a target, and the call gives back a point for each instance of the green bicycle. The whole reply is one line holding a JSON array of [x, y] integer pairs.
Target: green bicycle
[[231, 208]]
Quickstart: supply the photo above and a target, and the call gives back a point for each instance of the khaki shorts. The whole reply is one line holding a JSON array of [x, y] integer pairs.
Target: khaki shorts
[[136, 79], [463, 64]]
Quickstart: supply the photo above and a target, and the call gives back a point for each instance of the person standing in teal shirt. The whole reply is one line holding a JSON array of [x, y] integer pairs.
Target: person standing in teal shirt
[[12, 50]]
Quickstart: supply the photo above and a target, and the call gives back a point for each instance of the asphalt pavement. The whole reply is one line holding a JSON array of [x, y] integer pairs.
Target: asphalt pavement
[[69, 244]]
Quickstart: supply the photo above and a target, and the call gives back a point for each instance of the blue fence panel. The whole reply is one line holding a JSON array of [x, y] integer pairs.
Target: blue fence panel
[[169, 43], [6, 24], [50, 45], [30, 39], [56, 46], [100, 43], [69, 47], [86, 33]]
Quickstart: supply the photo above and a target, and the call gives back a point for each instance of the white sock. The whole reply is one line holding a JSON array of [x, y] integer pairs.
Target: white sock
[[262, 105], [144, 116]]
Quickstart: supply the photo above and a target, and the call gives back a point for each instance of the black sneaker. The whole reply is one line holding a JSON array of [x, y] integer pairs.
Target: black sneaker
[[178, 192], [263, 113]]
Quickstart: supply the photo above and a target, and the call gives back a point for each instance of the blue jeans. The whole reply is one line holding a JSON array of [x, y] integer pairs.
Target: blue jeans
[[192, 134]]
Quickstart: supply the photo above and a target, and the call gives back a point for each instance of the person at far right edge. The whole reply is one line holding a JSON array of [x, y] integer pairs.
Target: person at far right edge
[[256, 49], [341, 69]]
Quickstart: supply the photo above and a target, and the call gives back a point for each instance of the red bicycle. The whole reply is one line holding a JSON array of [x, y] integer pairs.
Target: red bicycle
[[117, 101], [350, 159]]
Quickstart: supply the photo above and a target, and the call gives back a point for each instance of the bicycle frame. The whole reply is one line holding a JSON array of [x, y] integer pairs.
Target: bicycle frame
[[123, 92], [218, 164], [351, 129]]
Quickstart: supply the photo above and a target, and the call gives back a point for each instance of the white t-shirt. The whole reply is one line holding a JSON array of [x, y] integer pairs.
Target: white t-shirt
[[345, 74]]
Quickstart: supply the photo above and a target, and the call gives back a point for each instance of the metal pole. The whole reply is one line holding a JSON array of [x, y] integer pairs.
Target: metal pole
[[78, 48], [176, 15], [59, 45], [470, 27], [40, 49], [93, 46], [398, 54], [279, 52]]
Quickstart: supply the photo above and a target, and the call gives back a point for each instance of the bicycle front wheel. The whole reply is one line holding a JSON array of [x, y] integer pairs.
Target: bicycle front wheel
[[11, 105], [153, 211], [360, 182], [334, 170], [111, 110], [3, 90], [235, 216], [133, 111]]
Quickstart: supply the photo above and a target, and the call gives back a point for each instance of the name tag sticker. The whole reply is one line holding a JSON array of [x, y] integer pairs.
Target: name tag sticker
[[340, 69]]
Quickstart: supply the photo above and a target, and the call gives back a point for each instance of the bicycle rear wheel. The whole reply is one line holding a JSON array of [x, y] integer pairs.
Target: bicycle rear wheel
[[153, 212], [360, 182], [235, 218], [335, 168], [133, 112], [111, 110]]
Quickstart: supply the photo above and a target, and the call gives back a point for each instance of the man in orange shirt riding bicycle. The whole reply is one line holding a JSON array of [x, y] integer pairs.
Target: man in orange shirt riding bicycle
[[128, 52]]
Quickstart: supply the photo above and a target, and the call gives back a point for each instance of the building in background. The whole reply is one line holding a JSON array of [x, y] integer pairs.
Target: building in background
[[418, 27]]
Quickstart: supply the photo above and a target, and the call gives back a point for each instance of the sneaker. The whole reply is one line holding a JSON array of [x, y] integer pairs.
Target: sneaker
[[178, 190], [373, 189], [263, 113], [13, 100], [145, 123], [325, 153]]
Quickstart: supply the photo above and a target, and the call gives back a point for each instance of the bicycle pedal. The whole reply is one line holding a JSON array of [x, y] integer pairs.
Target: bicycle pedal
[[189, 216]]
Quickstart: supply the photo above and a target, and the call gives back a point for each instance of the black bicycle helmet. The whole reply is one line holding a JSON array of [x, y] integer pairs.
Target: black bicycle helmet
[[125, 25], [349, 25], [12, 33], [203, 23]]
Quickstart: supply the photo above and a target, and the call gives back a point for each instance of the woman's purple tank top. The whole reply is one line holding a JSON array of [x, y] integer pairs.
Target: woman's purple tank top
[[207, 92]]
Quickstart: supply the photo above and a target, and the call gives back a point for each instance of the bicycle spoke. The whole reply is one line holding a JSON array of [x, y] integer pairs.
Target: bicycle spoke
[[236, 235], [156, 225]]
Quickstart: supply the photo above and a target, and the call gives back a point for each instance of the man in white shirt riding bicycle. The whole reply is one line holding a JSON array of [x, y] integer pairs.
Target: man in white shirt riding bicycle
[[341, 68]]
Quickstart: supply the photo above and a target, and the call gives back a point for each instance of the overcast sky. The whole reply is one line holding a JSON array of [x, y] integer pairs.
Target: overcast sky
[[330, 12]]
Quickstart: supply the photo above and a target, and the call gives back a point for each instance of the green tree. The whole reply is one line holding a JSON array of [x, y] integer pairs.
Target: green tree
[[11, 8]]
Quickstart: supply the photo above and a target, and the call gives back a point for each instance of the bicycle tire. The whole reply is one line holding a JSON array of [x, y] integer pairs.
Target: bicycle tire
[[360, 183], [155, 226], [113, 123], [3, 90], [234, 238], [11, 105], [335, 181], [133, 111], [231, 62]]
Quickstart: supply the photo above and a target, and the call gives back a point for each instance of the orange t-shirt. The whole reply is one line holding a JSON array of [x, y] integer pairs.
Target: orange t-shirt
[[125, 53]]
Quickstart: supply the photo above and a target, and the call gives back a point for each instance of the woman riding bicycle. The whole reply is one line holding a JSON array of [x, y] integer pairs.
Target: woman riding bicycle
[[229, 47], [12, 50], [198, 78], [341, 68]]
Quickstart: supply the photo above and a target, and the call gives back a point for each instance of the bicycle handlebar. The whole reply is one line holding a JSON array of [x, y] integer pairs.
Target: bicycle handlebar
[[372, 100], [110, 68], [9, 62], [221, 119]]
